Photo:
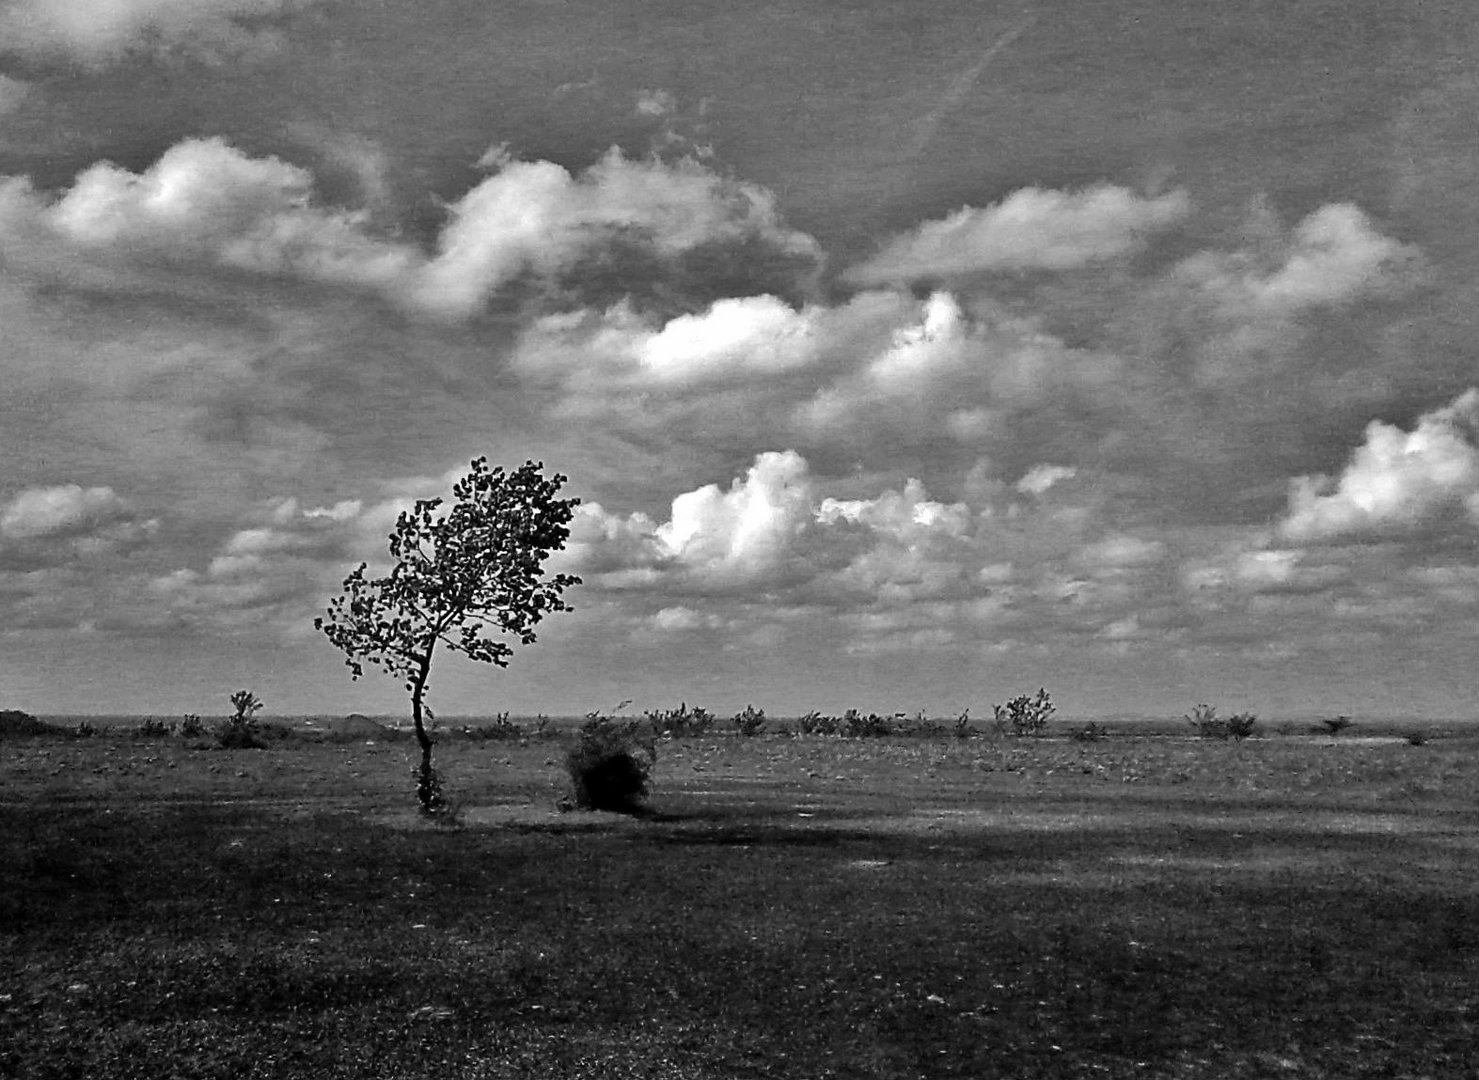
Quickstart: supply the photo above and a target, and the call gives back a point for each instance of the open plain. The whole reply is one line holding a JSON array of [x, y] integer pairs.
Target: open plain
[[1137, 905]]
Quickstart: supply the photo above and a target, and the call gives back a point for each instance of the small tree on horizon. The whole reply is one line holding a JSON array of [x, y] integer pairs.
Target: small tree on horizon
[[465, 579]]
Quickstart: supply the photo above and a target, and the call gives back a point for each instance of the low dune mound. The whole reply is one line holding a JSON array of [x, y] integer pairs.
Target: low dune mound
[[15, 724], [356, 727]]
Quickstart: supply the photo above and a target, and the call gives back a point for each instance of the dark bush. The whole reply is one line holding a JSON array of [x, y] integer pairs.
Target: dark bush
[[1025, 715], [1090, 732], [191, 727], [750, 722], [1337, 725], [855, 725], [1241, 725], [1209, 725], [680, 722], [153, 728], [815, 723], [240, 732], [15, 724], [609, 766]]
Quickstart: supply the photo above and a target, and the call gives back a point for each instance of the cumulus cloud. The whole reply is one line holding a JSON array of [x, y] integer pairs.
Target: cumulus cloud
[[742, 337], [1031, 229], [535, 217], [1038, 479], [734, 536], [50, 525], [205, 202], [98, 31], [771, 528], [1397, 483], [1333, 256]]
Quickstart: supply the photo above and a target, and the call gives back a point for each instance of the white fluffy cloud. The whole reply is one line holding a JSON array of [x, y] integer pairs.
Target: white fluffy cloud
[[1031, 229], [1333, 256], [50, 525], [58, 511], [96, 31], [205, 202], [770, 527], [742, 337], [1398, 482], [535, 217], [733, 536]]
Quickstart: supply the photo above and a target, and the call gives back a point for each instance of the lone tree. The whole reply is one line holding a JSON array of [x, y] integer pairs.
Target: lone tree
[[465, 579]]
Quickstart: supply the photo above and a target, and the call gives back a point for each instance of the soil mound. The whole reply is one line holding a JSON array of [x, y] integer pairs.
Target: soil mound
[[356, 727], [15, 724]]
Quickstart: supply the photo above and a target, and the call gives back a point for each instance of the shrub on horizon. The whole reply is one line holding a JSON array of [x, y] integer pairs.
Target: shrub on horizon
[[750, 722], [1206, 722], [240, 731], [680, 722], [856, 725], [1025, 715]]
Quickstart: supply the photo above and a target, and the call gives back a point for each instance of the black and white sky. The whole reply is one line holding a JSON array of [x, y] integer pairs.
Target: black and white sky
[[907, 354]]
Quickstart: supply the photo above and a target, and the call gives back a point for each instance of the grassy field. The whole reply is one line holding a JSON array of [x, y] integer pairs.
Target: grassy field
[[1291, 906]]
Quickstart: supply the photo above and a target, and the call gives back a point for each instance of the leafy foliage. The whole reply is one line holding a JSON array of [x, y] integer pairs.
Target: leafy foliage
[[1024, 715], [460, 578]]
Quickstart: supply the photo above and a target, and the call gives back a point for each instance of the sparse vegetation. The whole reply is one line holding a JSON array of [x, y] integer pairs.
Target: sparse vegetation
[[191, 726], [153, 728], [1090, 732], [1336, 725], [172, 905]]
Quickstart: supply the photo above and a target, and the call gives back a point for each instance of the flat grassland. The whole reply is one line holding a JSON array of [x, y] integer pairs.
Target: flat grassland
[[806, 907]]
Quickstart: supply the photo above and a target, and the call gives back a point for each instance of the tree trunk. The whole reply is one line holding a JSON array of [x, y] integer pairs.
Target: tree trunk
[[428, 786]]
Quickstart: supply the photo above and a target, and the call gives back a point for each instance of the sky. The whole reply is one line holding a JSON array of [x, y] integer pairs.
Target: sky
[[904, 355]]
